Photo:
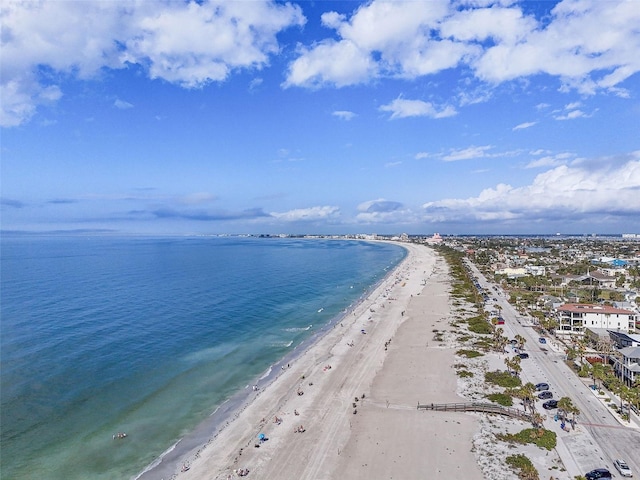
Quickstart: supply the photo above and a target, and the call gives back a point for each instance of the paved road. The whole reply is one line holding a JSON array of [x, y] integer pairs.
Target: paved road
[[603, 438]]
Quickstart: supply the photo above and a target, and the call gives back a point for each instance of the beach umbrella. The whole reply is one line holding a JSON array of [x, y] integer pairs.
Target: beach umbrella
[[261, 436]]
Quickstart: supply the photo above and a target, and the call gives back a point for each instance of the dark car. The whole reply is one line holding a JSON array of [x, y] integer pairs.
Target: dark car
[[542, 340], [598, 473], [550, 405], [523, 355], [542, 386], [545, 395]]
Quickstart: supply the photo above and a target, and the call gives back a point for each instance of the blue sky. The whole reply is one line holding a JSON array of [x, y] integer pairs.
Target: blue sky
[[472, 116]]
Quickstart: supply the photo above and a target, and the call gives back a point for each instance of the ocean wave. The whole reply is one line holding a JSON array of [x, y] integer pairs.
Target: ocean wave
[[297, 329], [267, 373]]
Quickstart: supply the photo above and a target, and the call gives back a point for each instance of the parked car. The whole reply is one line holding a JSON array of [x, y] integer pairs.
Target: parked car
[[550, 405], [598, 473], [542, 340], [623, 468], [523, 355], [542, 386], [545, 395]]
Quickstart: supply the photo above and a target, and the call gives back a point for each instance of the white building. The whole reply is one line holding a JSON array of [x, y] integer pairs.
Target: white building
[[573, 318]]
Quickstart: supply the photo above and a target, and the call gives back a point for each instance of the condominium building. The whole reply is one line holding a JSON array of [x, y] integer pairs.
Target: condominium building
[[573, 318]]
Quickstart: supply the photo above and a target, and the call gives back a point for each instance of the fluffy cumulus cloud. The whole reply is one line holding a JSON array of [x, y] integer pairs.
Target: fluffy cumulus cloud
[[603, 188], [588, 44], [186, 43]]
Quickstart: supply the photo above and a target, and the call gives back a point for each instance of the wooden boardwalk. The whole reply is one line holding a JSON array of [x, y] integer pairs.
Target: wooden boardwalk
[[477, 407]]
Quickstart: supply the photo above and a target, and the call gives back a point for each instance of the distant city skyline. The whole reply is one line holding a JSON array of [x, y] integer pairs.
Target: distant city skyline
[[234, 117]]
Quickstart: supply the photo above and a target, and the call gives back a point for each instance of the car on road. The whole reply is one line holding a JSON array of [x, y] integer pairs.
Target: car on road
[[523, 355], [545, 395], [598, 473], [542, 340], [550, 405], [542, 386], [623, 468]]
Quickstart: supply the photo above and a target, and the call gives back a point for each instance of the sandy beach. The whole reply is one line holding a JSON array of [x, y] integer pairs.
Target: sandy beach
[[346, 408]]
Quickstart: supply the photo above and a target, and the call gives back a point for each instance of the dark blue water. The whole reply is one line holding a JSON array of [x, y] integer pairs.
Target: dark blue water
[[148, 336]]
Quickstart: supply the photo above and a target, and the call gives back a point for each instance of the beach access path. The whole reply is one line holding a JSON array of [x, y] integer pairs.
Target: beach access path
[[355, 392]]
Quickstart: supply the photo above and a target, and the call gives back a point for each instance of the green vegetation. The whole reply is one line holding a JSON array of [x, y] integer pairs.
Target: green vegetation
[[501, 398], [483, 344], [469, 353], [538, 436], [479, 325], [526, 470], [464, 373], [503, 379]]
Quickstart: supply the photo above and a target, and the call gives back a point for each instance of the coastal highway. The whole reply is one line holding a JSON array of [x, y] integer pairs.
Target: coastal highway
[[604, 439]]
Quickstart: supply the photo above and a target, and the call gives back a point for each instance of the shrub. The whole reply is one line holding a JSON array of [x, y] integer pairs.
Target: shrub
[[464, 373], [503, 379], [523, 465], [479, 325], [501, 398], [538, 436], [469, 353]]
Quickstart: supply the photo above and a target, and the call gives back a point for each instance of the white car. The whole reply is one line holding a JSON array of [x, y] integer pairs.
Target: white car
[[623, 468]]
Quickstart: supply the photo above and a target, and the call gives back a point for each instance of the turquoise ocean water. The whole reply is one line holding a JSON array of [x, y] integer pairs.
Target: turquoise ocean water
[[150, 335]]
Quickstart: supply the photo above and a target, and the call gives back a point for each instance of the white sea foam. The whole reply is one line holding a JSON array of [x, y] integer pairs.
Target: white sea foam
[[158, 460], [266, 374], [298, 329]]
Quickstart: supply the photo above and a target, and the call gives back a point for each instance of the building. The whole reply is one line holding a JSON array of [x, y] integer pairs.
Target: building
[[627, 364], [573, 318]]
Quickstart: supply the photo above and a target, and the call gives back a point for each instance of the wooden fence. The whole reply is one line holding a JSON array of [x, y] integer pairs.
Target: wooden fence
[[477, 407]]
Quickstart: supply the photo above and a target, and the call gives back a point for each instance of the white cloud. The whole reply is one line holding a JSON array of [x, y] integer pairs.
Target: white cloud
[[467, 153], [609, 186], [308, 214], [571, 115], [344, 114], [329, 62], [189, 44], [551, 160], [588, 45], [522, 126], [402, 108], [122, 105], [539, 151]]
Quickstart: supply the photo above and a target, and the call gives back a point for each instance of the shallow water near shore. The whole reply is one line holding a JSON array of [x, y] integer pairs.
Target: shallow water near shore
[[150, 335]]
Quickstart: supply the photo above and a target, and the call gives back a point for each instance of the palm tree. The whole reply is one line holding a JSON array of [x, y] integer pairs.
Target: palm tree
[[509, 363], [598, 372], [516, 364], [499, 340], [528, 391], [521, 341], [626, 395], [565, 406]]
